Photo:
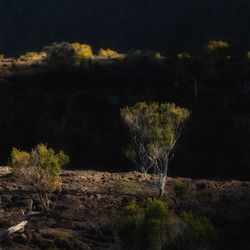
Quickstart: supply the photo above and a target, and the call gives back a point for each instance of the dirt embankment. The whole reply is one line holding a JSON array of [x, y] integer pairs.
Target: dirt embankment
[[91, 202]]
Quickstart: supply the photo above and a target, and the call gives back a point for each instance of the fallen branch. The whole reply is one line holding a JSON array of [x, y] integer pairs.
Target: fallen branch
[[13, 229], [20, 226]]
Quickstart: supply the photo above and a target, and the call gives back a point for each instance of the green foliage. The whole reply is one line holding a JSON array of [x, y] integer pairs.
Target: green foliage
[[107, 53], [198, 232], [127, 185], [83, 51], [1, 57], [32, 55], [180, 189], [153, 226], [60, 55], [39, 168], [155, 124], [143, 225], [129, 152]]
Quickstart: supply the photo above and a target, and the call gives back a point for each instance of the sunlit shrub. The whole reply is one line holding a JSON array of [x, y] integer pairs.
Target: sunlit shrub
[[1, 57], [218, 50], [216, 45], [83, 51], [39, 170], [107, 53], [32, 55]]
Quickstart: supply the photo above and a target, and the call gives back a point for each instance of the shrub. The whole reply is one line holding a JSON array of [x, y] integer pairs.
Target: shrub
[[218, 50], [216, 45], [127, 185], [153, 226], [198, 233], [1, 57], [39, 170], [143, 226], [180, 189], [83, 51], [60, 55], [107, 53], [32, 55]]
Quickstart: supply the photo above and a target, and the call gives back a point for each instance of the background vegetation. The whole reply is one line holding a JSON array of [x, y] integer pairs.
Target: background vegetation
[[77, 108]]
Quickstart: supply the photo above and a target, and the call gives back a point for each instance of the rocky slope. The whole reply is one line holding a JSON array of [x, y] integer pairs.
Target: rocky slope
[[91, 202]]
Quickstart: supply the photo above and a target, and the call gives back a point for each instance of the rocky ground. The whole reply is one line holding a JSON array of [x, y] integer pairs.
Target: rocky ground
[[89, 206]]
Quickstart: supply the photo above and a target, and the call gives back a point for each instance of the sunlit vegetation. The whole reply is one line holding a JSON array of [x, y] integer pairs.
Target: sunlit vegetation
[[33, 55], [83, 51], [218, 49], [155, 128], [39, 170], [108, 53]]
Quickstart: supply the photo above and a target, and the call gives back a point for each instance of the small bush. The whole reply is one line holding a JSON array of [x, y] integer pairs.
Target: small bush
[[199, 232], [107, 53], [39, 170], [153, 226], [32, 55], [180, 190], [83, 51], [1, 57], [127, 185], [143, 226], [60, 55]]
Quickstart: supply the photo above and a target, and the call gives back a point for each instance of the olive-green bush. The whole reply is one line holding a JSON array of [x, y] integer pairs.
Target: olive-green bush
[[39, 170], [153, 226]]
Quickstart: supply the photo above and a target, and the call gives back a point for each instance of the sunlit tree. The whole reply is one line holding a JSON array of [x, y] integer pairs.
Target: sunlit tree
[[155, 128]]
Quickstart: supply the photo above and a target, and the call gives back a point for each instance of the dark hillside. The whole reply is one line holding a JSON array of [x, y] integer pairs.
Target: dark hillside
[[78, 110]]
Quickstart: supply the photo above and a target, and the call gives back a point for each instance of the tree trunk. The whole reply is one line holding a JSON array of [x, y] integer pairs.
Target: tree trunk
[[163, 178]]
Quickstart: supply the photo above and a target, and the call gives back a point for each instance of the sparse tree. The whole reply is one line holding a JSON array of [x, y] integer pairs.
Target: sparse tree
[[39, 170], [155, 129]]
